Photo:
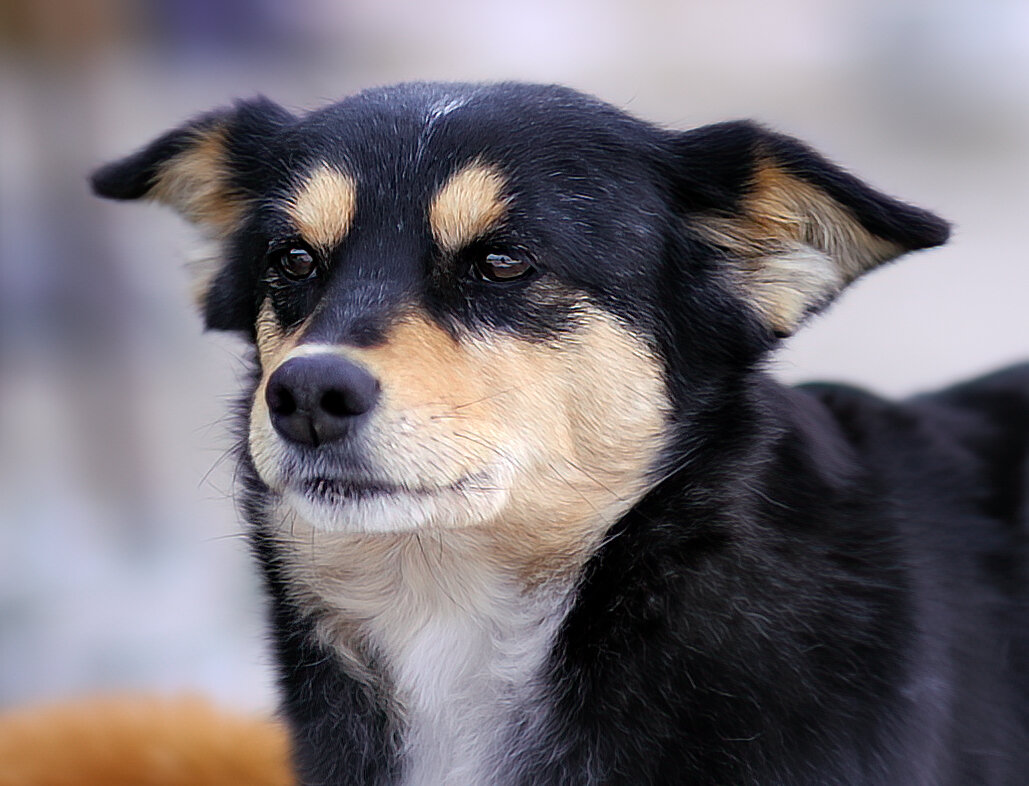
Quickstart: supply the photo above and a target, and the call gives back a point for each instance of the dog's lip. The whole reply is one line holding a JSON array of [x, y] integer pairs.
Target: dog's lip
[[343, 489], [352, 488]]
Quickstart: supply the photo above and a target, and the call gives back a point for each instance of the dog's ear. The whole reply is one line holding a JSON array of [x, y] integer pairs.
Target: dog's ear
[[208, 170], [198, 169], [795, 228]]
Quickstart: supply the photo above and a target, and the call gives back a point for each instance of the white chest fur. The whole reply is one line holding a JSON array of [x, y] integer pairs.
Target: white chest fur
[[461, 640], [463, 676]]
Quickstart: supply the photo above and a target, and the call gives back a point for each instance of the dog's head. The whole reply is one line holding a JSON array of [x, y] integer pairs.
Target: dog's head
[[495, 305]]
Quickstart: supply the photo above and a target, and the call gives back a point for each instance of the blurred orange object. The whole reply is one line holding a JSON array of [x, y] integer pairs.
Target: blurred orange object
[[140, 742]]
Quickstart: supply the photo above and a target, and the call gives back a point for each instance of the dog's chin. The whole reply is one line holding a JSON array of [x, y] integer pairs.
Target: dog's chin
[[336, 506]]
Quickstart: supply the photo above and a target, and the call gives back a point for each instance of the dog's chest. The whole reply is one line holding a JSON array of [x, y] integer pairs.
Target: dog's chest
[[463, 678], [461, 647]]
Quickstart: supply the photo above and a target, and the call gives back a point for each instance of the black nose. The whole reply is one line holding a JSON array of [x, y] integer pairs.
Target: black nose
[[314, 400]]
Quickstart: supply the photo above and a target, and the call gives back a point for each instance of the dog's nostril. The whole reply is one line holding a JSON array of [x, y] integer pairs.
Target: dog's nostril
[[281, 401], [335, 403]]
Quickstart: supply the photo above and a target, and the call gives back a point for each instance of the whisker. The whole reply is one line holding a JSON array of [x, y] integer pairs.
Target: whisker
[[227, 536], [431, 566], [578, 467], [449, 408], [498, 393], [227, 453], [573, 487], [488, 445]]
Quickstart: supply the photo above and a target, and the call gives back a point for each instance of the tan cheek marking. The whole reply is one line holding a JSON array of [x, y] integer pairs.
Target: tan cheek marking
[[420, 363], [323, 207], [609, 390], [469, 204], [270, 334], [196, 183], [585, 420]]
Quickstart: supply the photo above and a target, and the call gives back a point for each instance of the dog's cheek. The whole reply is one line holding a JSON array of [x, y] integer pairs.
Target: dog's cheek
[[273, 343], [442, 414], [599, 426], [273, 340], [570, 427]]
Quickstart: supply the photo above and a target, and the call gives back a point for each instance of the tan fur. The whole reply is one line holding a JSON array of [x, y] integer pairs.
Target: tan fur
[[557, 438], [323, 207], [467, 205], [795, 247], [568, 409], [270, 335], [196, 183], [273, 345], [785, 206], [140, 742]]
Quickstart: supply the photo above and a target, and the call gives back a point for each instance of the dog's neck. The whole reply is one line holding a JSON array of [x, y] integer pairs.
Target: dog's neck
[[452, 636]]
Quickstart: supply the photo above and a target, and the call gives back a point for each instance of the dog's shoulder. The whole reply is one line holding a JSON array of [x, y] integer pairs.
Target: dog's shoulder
[[1002, 396], [977, 417]]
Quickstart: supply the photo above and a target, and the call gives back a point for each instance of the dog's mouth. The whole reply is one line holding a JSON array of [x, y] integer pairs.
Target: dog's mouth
[[361, 505], [340, 491]]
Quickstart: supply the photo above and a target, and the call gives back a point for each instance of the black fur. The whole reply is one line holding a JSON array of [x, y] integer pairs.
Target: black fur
[[821, 586]]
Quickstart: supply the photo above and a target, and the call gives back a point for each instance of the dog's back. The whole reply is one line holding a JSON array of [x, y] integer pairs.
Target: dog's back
[[953, 468]]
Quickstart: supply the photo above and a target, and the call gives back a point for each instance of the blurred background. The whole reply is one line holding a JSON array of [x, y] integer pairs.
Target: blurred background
[[122, 567]]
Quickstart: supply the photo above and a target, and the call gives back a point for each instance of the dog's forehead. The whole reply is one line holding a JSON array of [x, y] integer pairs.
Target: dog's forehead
[[467, 157], [417, 136]]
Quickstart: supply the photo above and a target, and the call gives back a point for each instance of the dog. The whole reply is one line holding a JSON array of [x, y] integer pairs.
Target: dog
[[528, 508]]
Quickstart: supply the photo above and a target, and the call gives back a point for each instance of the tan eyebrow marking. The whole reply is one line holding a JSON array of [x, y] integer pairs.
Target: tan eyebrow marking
[[324, 205], [467, 205]]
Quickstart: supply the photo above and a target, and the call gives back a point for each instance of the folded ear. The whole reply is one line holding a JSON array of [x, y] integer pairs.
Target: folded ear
[[200, 168], [794, 228], [209, 170]]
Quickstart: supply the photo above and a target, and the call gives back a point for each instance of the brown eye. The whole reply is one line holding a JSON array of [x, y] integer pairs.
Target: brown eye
[[501, 268], [296, 263]]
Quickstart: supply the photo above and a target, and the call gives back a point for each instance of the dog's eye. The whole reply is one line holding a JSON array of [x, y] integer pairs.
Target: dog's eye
[[295, 262], [501, 268]]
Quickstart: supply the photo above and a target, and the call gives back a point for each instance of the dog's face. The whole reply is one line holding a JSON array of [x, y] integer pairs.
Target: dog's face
[[498, 306]]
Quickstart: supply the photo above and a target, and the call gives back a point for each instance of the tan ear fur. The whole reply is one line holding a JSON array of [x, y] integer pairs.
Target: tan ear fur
[[195, 182], [793, 247]]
